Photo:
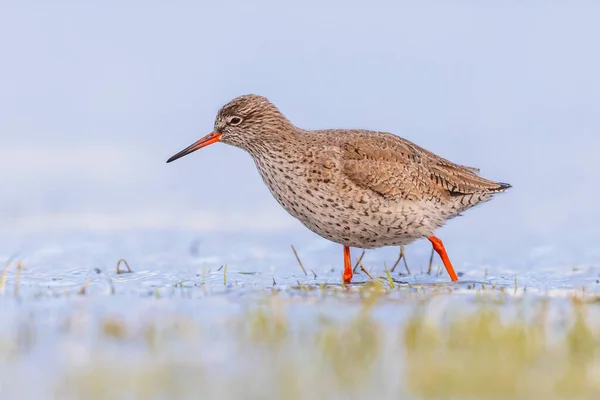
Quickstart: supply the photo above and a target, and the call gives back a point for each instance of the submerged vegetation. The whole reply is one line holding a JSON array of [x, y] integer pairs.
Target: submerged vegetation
[[210, 338]]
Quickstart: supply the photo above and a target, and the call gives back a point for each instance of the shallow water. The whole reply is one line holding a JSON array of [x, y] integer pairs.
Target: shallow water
[[183, 320], [161, 259]]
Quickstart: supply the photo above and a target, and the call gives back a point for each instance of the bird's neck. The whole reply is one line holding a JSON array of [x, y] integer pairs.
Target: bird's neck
[[275, 139]]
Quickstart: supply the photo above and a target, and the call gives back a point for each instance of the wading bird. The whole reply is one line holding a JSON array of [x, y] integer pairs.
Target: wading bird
[[358, 188]]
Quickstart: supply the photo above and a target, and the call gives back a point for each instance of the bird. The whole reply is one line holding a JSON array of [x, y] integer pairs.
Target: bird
[[358, 188]]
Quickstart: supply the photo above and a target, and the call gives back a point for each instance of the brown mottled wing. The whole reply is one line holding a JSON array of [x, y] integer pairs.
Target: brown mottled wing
[[397, 168]]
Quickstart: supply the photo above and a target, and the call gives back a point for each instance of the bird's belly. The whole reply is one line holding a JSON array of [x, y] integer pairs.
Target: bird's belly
[[376, 222]]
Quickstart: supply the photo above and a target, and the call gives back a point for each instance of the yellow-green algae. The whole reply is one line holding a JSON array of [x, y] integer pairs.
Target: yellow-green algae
[[477, 344]]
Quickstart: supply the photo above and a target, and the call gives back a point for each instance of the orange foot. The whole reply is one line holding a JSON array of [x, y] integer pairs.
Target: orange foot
[[438, 246], [347, 265]]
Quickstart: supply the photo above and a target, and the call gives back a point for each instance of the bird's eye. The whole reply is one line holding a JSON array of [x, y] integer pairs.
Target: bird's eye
[[235, 121]]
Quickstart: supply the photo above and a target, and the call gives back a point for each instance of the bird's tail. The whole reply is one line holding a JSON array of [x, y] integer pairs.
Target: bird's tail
[[502, 187]]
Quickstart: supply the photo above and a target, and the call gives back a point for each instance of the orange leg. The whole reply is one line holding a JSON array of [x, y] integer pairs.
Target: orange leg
[[347, 265], [438, 246]]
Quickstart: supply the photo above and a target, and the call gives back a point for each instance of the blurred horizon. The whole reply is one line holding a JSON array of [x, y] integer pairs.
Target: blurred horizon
[[96, 98]]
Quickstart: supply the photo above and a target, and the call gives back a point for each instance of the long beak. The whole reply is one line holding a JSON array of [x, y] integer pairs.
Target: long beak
[[211, 138]]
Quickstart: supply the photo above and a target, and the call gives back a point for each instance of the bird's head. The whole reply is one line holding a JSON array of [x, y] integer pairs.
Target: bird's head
[[250, 122]]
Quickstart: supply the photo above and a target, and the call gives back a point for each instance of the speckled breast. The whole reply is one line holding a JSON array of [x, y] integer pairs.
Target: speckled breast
[[336, 209]]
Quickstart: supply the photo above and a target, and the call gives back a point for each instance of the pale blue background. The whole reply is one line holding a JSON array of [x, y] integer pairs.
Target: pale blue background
[[95, 97]]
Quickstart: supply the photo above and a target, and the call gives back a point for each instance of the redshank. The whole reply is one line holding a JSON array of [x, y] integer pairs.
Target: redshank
[[358, 188]]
